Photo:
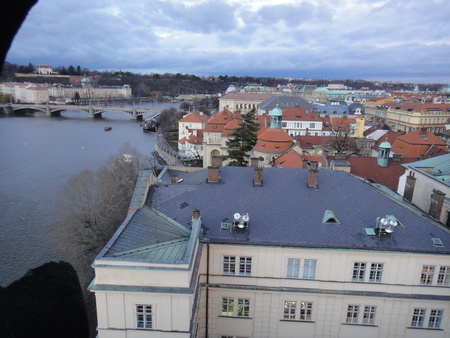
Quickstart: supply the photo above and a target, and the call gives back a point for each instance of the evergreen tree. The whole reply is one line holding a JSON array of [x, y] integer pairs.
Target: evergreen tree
[[243, 140]]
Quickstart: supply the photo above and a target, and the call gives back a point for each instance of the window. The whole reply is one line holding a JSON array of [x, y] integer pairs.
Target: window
[[144, 317], [376, 271], [229, 265], [426, 277], [444, 276], [374, 275], [420, 317], [295, 269], [358, 272], [309, 269], [245, 266], [435, 275], [361, 315], [242, 309], [304, 312]]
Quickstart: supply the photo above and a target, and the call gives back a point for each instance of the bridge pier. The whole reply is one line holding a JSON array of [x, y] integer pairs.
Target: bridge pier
[[136, 116]]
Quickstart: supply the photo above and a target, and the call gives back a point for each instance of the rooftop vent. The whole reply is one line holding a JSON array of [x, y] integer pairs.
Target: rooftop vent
[[240, 222], [330, 218], [386, 225]]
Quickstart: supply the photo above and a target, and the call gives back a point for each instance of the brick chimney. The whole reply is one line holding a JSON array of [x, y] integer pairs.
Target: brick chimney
[[216, 161], [313, 179], [436, 203], [254, 162], [175, 179], [213, 174], [257, 177], [409, 187]]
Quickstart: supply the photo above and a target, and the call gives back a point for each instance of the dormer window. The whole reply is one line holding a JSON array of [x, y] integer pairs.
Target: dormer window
[[330, 218]]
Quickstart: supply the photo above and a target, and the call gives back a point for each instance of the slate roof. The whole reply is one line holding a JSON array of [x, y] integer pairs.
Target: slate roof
[[285, 101], [284, 212]]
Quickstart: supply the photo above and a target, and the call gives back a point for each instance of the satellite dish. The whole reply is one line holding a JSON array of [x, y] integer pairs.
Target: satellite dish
[[384, 221], [237, 216], [393, 222], [245, 218], [240, 225], [389, 230]]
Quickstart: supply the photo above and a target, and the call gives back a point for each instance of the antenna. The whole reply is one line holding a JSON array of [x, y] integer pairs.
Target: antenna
[[385, 225]]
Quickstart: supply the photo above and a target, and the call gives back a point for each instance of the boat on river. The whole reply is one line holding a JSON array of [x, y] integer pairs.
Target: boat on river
[[107, 128]]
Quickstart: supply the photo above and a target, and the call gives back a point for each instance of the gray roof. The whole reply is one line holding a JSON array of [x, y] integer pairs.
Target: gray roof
[[285, 101], [284, 212]]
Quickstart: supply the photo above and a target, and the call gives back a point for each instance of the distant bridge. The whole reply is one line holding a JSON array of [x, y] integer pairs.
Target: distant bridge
[[92, 111]]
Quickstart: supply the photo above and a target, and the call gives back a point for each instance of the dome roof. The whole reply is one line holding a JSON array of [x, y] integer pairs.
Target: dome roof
[[385, 145], [355, 106], [85, 80], [276, 112]]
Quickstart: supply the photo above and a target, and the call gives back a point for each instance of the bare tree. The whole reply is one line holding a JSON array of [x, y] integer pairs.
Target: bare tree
[[341, 141], [92, 205]]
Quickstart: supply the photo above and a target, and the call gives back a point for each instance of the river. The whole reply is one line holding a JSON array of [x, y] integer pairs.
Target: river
[[38, 154]]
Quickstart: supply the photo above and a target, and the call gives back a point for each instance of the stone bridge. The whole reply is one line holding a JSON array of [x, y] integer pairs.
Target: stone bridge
[[92, 111]]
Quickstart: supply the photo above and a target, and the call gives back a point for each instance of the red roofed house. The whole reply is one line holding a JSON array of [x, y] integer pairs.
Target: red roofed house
[[419, 144], [196, 120], [300, 121], [215, 135], [273, 142]]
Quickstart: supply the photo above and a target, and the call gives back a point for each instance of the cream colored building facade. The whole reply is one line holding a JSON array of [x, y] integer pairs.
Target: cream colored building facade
[[243, 102], [210, 277]]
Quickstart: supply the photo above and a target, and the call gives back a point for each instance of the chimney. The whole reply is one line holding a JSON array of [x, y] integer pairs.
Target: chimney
[[175, 179], [216, 161], [213, 174], [196, 214], [254, 162], [436, 203], [313, 179], [257, 177], [409, 187]]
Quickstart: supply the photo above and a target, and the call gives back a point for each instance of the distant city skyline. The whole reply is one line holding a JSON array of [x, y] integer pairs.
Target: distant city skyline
[[386, 40]]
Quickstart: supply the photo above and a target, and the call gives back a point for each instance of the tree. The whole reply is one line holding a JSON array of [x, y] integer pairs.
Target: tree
[[92, 205], [341, 141], [243, 139]]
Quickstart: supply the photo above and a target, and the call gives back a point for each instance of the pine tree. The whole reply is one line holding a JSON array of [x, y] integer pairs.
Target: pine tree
[[243, 140]]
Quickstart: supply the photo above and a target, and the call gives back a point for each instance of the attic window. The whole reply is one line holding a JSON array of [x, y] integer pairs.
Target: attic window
[[437, 242], [369, 231], [225, 226], [330, 218]]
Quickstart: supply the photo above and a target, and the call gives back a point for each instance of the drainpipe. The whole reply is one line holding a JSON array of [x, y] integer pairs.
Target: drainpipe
[[207, 289]]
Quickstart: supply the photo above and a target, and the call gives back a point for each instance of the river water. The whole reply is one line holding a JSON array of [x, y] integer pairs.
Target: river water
[[38, 154]]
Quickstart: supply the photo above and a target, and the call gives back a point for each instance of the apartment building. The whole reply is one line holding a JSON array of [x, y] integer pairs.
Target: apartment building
[[252, 252]]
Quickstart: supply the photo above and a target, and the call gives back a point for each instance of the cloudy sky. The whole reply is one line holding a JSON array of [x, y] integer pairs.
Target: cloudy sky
[[404, 40]]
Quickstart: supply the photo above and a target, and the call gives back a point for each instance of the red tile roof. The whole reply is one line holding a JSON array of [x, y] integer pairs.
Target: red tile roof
[[274, 141], [196, 116], [419, 143], [299, 114], [217, 122], [368, 168]]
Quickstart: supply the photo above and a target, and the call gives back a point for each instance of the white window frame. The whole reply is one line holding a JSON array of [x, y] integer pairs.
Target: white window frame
[[144, 313], [294, 310], [424, 318], [435, 275], [235, 307], [368, 272], [237, 265], [299, 268], [357, 314]]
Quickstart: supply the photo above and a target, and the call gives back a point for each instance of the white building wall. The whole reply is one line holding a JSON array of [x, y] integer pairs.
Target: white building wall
[[331, 292]]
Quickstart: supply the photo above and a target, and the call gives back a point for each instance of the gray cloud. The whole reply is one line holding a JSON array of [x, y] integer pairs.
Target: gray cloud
[[379, 39]]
